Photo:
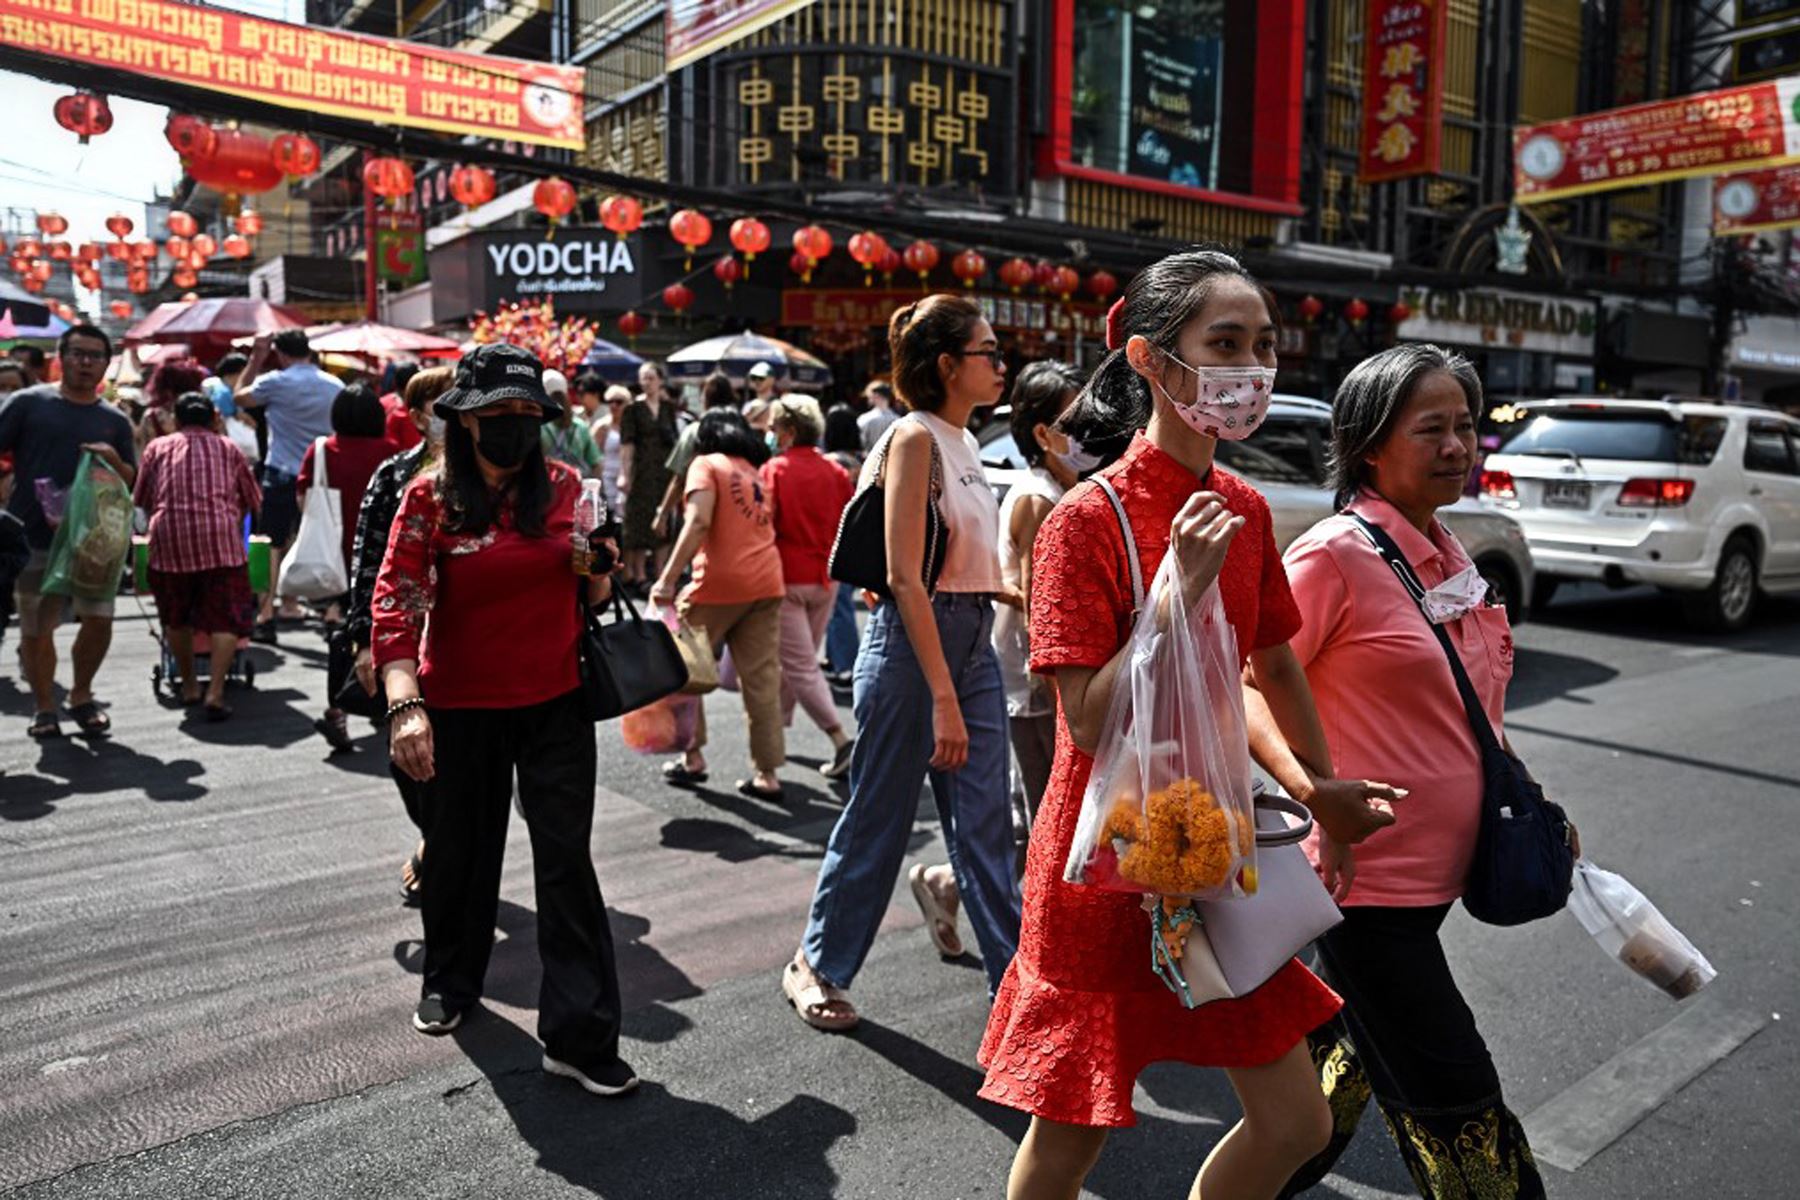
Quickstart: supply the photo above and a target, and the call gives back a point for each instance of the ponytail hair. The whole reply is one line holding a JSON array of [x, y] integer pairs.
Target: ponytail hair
[[918, 335], [1157, 304]]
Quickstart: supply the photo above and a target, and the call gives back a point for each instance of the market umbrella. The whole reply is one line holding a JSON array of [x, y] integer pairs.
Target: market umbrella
[[736, 353], [615, 364], [26, 314], [368, 339], [210, 325]]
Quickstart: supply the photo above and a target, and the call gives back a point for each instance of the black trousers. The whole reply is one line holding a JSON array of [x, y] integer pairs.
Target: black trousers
[[1407, 1037], [551, 747]]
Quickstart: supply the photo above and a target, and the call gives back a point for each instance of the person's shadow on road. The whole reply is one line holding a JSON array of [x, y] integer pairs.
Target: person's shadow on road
[[653, 1144], [74, 766]]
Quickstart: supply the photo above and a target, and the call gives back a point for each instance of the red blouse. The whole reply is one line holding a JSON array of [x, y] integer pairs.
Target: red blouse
[[492, 620], [1080, 1011]]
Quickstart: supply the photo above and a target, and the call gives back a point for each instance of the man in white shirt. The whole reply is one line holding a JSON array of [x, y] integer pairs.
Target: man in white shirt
[[872, 424]]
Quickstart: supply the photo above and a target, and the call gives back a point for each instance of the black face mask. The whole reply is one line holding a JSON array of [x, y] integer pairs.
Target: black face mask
[[506, 441]]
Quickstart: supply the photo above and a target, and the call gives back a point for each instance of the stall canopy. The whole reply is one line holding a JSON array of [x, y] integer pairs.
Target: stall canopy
[[367, 339], [209, 326], [615, 364], [736, 353], [23, 315]]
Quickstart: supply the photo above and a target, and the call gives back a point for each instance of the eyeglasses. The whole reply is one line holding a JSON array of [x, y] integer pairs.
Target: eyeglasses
[[996, 357], [88, 356]]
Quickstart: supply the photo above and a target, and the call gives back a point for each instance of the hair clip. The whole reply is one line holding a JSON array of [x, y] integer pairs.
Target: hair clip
[[1115, 324]]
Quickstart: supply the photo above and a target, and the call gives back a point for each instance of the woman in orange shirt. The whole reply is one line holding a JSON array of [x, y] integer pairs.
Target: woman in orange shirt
[[737, 590]]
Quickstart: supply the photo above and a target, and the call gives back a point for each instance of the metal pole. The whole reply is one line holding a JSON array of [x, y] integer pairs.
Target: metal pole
[[371, 285]]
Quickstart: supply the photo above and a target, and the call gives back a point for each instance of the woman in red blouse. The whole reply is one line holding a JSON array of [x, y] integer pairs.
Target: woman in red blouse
[[1080, 1011], [475, 620]]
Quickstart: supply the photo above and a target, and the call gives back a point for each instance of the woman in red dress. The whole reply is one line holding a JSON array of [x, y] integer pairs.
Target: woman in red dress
[[1080, 1011]]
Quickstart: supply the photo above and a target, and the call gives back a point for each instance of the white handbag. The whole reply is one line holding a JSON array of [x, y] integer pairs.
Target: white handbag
[[314, 567], [1229, 948]]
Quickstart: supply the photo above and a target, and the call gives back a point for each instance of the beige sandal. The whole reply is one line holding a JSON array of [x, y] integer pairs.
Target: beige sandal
[[810, 1001], [937, 917]]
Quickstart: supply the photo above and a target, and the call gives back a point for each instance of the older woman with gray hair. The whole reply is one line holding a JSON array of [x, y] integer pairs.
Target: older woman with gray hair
[[1402, 446]]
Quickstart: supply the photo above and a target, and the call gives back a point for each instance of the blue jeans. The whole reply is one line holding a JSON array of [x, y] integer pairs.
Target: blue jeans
[[841, 637], [894, 744]]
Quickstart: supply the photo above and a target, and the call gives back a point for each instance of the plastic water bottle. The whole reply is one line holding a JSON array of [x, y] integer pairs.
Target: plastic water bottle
[[589, 510]]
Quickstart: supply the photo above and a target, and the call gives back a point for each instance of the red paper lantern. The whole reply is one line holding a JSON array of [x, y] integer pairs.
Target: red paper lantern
[[190, 136], [921, 257], [238, 164], [84, 114], [388, 177], [52, 224], [691, 229], [204, 244], [41, 271], [553, 197], [120, 250], [1064, 281], [144, 250], [728, 271], [750, 236], [89, 252], [88, 278], [968, 266], [1357, 311], [887, 262], [621, 214], [249, 223], [137, 284], [184, 277], [120, 309], [801, 265], [813, 243], [60, 251], [633, 323], [119, 225], [866, 248], [195, 261], [294, 154], [1015, 273], [679, 297], [237, 246], [1043, 274], [1310, 307], [472, 187], [1399, 312], [178, 248], [29, 248], [32, 284], [182, 225], [1102, 284], [20, 264]]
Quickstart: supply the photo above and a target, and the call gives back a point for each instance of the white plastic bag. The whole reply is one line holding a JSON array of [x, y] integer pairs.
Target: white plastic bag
[[314, 566], [1630, 928], [1168, 809]]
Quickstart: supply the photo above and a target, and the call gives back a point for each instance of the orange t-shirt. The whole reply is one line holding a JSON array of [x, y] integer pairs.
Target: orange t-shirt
[[737, 562]]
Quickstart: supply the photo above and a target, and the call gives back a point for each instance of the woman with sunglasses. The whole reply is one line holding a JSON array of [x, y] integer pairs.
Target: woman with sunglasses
[[928, 696]]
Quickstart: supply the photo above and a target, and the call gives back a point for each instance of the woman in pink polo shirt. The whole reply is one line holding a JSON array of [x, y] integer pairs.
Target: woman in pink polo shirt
[[1403, 443]]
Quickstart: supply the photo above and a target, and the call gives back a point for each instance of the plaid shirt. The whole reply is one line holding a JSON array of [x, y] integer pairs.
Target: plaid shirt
[[197, 488]]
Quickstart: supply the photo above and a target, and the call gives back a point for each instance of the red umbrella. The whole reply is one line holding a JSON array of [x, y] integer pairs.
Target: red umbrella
[[371, 340], [210, 325]]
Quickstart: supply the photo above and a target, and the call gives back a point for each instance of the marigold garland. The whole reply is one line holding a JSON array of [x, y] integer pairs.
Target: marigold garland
[[1178, 842]]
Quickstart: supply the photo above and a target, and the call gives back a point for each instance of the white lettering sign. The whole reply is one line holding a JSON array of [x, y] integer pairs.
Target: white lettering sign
[[543, 266]]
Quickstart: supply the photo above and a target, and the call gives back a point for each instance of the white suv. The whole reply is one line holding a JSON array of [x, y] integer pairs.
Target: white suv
[[1701, 499]]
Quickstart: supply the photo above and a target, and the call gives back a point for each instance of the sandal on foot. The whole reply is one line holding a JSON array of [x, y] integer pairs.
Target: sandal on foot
[[89, 717], [748, 787], [413, 894], [938, 919], [676, 772], [813, 1002], [45, 726], [217, 712]]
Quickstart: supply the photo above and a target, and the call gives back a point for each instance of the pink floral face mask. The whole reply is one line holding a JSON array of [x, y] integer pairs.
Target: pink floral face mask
[[1229, 402]]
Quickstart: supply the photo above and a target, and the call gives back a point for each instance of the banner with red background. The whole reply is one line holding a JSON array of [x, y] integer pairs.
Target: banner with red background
[[1731, 129], [694, 29], [1756, 201], [1403, 89], [380, 80]]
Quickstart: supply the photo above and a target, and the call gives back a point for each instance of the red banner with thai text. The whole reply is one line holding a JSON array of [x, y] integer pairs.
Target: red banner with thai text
[[380, 80], [1403, 89], [1709, 133], [1756, 201]]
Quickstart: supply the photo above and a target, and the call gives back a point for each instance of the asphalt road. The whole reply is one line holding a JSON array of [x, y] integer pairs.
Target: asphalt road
[[206, 977]]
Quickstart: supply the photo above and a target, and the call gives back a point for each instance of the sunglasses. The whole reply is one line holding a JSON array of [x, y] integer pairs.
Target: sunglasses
[[996, 357]]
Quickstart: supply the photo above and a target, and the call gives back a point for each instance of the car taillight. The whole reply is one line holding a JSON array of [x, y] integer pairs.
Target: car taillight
[[1655, 493], [1499, 485]]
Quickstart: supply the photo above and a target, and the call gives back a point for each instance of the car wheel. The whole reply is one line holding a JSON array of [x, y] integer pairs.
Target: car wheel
[[1503, 586], [1543, 590], [1728, 602]]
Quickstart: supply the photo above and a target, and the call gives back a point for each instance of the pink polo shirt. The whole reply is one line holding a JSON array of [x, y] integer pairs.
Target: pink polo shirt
[[1388, 700]]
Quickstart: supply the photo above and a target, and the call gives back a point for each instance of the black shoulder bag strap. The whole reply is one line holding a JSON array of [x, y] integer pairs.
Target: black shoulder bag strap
[[1390, 553]]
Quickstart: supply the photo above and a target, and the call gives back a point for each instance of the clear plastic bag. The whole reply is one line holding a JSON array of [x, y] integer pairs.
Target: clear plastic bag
[[1168, 809], [1630, 928]]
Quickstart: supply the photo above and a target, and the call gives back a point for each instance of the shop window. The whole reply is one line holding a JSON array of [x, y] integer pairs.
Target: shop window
[[1148, 89]]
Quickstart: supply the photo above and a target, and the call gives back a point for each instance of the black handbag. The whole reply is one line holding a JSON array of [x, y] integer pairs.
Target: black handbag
[[350, 698], [627, 663], [1524, 865], [859, 553]]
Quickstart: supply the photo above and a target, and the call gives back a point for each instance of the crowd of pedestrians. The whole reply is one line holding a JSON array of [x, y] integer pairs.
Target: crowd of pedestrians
[[996, 634]]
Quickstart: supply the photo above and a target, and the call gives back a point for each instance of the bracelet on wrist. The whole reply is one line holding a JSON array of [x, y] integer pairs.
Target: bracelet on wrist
[[400, 706]]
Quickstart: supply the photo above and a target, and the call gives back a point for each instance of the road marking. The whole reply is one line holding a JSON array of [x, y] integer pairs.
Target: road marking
[[1597, 1111]]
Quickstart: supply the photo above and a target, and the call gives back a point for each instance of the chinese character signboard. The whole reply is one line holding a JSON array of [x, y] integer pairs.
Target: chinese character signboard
[[1403, 89], [1732, 129], [1756, 201], [297, 66], [694, 29]]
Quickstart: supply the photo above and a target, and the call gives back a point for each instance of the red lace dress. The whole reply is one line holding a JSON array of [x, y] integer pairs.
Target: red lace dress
[[1080, 1011]]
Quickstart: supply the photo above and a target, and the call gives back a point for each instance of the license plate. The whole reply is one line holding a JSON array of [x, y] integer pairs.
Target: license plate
[[1562, 493]]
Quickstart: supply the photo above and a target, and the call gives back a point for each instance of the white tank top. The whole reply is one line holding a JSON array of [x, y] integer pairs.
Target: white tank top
[[1026, 695], [972, 515]]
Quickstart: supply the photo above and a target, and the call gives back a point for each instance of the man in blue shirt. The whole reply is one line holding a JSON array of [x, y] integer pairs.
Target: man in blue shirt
[[296, 401]]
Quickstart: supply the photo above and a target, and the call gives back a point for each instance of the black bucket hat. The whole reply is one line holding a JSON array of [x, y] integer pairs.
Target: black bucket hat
[[493, 373]]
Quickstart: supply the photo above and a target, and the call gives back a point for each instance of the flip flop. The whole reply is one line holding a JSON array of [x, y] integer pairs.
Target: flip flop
[[676, 772], [747, 787], [809, 1001], [412, 895], [936, 915], [45, 727], [89, 717]]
